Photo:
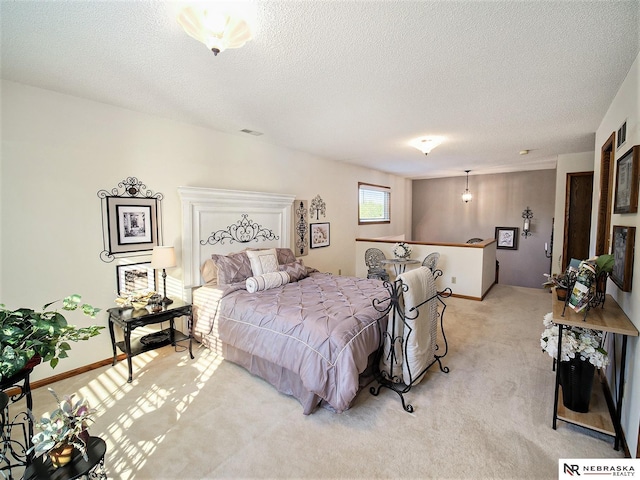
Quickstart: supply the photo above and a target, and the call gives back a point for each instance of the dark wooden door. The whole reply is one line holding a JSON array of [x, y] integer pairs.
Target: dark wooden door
[[577, 221]]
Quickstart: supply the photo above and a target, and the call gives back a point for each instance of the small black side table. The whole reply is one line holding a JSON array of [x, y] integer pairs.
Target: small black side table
[[41, 468], [129, 319], [17, 427]]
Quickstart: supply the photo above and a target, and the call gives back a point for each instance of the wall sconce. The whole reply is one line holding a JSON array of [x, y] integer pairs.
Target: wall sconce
[[527, 214], [466, 196]]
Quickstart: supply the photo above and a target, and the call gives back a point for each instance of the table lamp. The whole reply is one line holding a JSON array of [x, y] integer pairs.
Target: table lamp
[[163, 257]]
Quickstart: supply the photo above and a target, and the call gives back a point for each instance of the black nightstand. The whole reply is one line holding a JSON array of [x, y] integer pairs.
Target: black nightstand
[[129, 319], [42, 469]]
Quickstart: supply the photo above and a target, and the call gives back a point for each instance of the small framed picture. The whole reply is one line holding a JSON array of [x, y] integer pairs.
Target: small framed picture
[[622, 249], [626, 197], [135, 277], [132, 224], [319, 235], [507, 238]]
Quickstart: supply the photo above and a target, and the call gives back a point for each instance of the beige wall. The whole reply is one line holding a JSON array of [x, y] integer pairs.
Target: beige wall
[[58, 151], [625, 105], [439, 215]]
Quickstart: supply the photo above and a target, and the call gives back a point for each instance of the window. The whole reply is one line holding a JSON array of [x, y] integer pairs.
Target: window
[[373, 204]]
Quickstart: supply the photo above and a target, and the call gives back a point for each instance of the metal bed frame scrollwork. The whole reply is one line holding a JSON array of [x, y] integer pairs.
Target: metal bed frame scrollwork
[[392, 308]]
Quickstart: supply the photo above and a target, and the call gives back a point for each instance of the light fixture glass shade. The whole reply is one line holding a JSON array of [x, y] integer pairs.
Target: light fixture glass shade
[[215, 25], [466, 196], [426, 144], [163, 257]]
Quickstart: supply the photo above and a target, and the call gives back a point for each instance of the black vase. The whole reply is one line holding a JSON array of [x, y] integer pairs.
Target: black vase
[[576, 379]]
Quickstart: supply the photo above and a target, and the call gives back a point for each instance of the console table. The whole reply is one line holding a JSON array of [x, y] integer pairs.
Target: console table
[[129, 319], [609, 319]]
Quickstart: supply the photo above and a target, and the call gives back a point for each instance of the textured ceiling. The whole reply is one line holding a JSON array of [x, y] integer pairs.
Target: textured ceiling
[[352, 81]]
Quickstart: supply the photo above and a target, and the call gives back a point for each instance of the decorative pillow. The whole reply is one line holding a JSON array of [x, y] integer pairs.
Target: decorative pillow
[[296, 270], [209, 272], [232, 268], [266, 281], [263, 261], [285, 255]]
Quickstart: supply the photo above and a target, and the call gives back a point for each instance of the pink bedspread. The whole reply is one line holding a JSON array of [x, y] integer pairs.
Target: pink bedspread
[[323, 328]]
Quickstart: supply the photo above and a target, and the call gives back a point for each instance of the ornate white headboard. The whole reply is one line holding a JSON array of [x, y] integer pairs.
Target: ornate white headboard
[[225, 221]]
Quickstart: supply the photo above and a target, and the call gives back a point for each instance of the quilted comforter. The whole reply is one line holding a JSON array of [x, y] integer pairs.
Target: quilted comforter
[[322, 328]]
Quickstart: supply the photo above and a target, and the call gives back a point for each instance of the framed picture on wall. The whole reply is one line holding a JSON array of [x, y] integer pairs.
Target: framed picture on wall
[[320, 236], [626, 197], [132, 224], [135, 277], [622, 249], [507, 238]]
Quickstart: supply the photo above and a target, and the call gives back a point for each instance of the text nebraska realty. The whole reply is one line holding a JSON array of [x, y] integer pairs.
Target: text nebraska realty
[[613, 470]]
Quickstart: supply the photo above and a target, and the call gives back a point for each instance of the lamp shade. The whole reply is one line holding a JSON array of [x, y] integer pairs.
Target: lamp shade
[[216, 25], [163, 257]]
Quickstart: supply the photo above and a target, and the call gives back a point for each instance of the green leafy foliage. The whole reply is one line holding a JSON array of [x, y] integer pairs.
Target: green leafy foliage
[[25, 333], [65, 425]]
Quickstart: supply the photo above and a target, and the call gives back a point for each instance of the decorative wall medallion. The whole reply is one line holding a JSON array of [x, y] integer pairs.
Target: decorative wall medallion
[[318, 207], [301, 228], [244, 230]]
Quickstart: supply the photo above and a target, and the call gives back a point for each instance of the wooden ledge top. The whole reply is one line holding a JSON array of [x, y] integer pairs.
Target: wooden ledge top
[[482, 244], [611, 318]]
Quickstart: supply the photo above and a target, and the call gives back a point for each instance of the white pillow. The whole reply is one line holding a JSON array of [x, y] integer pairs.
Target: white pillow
[[263, 261], [266, 281]]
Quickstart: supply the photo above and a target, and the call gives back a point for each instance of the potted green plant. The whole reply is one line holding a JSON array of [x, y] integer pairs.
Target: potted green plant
[[63, 429], [561, 283], [27, 335]]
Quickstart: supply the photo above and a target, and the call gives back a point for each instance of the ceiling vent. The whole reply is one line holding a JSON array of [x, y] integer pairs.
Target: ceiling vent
[[251, 132]]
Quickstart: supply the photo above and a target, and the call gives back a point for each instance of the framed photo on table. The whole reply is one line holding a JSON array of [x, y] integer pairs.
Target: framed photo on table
[[132, 223], [135, 277], [507, 238], [626, 197], [622, 249], [320, 235]]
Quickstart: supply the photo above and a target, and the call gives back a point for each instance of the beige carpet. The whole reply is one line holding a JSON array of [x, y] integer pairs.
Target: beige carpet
[[490, 417]]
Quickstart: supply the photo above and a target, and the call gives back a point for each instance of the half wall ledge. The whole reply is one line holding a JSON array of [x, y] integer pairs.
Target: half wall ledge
[[469, 269]]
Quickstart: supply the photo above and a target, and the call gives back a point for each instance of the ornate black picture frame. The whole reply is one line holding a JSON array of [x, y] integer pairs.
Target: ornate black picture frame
[[132, 224], [131, 219], [135, 277], [622, 249], [627, 181], [320, 235], [507, 238]]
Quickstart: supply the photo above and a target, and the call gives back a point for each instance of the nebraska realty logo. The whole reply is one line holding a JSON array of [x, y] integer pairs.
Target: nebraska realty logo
[[598, 468]]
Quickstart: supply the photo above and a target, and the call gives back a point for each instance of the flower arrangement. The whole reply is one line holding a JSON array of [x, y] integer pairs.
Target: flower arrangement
[[576, 341], [138, 299], [67, 425], [401, 250]]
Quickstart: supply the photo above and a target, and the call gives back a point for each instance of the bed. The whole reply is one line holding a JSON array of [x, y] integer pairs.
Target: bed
[[311, 335]]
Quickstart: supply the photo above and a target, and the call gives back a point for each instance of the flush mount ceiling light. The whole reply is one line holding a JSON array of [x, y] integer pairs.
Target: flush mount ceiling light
[[219, 25], [466, 196], [426, 144]]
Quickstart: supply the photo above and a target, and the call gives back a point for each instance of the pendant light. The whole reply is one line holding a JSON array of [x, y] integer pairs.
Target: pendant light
[[466, 196]]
